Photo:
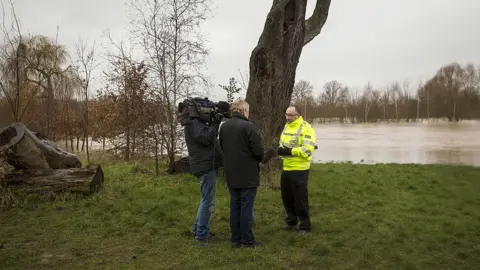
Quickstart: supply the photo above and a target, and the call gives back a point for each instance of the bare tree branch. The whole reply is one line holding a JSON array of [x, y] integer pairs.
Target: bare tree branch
[[169, 34], [87, 64], [314, 24]]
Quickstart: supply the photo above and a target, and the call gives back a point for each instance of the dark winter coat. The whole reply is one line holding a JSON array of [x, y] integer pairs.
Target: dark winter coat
[[243, 151], [203, 147]]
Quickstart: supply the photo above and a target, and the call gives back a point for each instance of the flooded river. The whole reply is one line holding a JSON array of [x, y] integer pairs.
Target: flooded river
[[424, 143]]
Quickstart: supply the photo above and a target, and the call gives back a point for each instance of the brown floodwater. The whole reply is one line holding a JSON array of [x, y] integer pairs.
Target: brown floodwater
[[421, 143]]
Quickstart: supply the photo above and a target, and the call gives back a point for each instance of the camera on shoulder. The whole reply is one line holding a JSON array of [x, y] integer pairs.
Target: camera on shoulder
[[203, 109]]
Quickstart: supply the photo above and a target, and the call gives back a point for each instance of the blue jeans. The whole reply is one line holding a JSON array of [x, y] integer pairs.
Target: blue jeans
[[241, 214], [201, 226]]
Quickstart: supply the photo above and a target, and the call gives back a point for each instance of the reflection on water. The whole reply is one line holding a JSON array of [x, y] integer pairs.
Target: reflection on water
[[434, 142]]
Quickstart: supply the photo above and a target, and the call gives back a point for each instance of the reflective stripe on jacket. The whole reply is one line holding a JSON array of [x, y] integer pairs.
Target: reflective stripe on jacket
[[300, 136]]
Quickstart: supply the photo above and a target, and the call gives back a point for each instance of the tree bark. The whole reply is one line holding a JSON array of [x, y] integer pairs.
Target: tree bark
[[24, 150], [76, 180], [274, 61]]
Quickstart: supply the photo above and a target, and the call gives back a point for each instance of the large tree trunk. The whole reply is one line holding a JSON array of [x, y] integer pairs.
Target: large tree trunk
[[24, 150], [76, 180], [274, 61]]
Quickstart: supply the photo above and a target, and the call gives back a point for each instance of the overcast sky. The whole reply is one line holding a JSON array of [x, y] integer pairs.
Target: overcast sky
[[373, 40]]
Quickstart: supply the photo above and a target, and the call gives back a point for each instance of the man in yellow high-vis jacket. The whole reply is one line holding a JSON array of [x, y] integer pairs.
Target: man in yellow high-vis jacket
[[297, 143]]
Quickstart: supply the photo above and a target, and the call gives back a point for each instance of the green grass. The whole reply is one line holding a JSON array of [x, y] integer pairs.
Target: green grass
[[363, 216]]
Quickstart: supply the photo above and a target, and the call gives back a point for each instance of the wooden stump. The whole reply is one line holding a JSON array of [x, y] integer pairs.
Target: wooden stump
[[40, 166], [76, 180]]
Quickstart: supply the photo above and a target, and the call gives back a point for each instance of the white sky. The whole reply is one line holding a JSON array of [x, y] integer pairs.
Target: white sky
[[372, 40]]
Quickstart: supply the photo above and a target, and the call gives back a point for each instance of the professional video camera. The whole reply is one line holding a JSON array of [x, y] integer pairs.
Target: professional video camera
[[203, 109]]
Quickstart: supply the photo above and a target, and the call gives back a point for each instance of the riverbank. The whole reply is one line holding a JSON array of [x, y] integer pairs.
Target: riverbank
[[364, 216]]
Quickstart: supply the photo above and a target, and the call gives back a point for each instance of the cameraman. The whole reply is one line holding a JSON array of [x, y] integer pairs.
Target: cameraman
[[205, 158]]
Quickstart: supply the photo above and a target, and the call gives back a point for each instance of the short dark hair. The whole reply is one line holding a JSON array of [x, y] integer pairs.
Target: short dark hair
[[297, 108]]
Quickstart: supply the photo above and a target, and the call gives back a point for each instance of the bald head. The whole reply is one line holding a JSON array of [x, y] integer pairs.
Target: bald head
[[292, 113]]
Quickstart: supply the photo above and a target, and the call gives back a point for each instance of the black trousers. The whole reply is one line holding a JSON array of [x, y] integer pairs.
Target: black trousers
[[241, 215], [294, 188]]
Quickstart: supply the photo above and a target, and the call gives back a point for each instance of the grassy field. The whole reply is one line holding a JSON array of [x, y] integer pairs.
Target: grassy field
[[364, 217]]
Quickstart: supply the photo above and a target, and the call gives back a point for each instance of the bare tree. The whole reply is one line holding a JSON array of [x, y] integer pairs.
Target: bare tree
[[418, 97], [367, 99], [170, 37], [406, 97], [274, 61], [394, 89], [449, 80], [345, 100], [12, 61], [244, 78], [385, 102], [30, 64], [45, 64], [331, 94], [87, 63], [119, 89], [302, 91]]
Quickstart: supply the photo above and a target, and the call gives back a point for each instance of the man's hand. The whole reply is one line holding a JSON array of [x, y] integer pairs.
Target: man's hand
[[284, 151], [269, 154]]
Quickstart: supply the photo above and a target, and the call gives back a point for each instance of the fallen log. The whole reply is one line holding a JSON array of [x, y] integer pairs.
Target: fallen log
[[87, 180], [25, 151], [179, 166]]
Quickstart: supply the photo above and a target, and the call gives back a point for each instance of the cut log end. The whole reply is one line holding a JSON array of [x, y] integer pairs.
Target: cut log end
[[6, 136]]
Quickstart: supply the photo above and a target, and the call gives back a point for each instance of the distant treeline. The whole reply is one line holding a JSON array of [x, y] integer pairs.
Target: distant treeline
[[452, 93]]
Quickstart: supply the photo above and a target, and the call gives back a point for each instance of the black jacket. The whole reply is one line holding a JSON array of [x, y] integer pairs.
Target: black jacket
[[203, 147], [243, 151]]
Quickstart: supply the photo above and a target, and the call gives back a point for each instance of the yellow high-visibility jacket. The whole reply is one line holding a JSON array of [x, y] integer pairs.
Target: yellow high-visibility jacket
[[300, 136]]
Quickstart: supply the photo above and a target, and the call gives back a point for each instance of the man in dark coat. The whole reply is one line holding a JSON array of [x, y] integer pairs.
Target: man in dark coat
[[243, 151], [205, 158]]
